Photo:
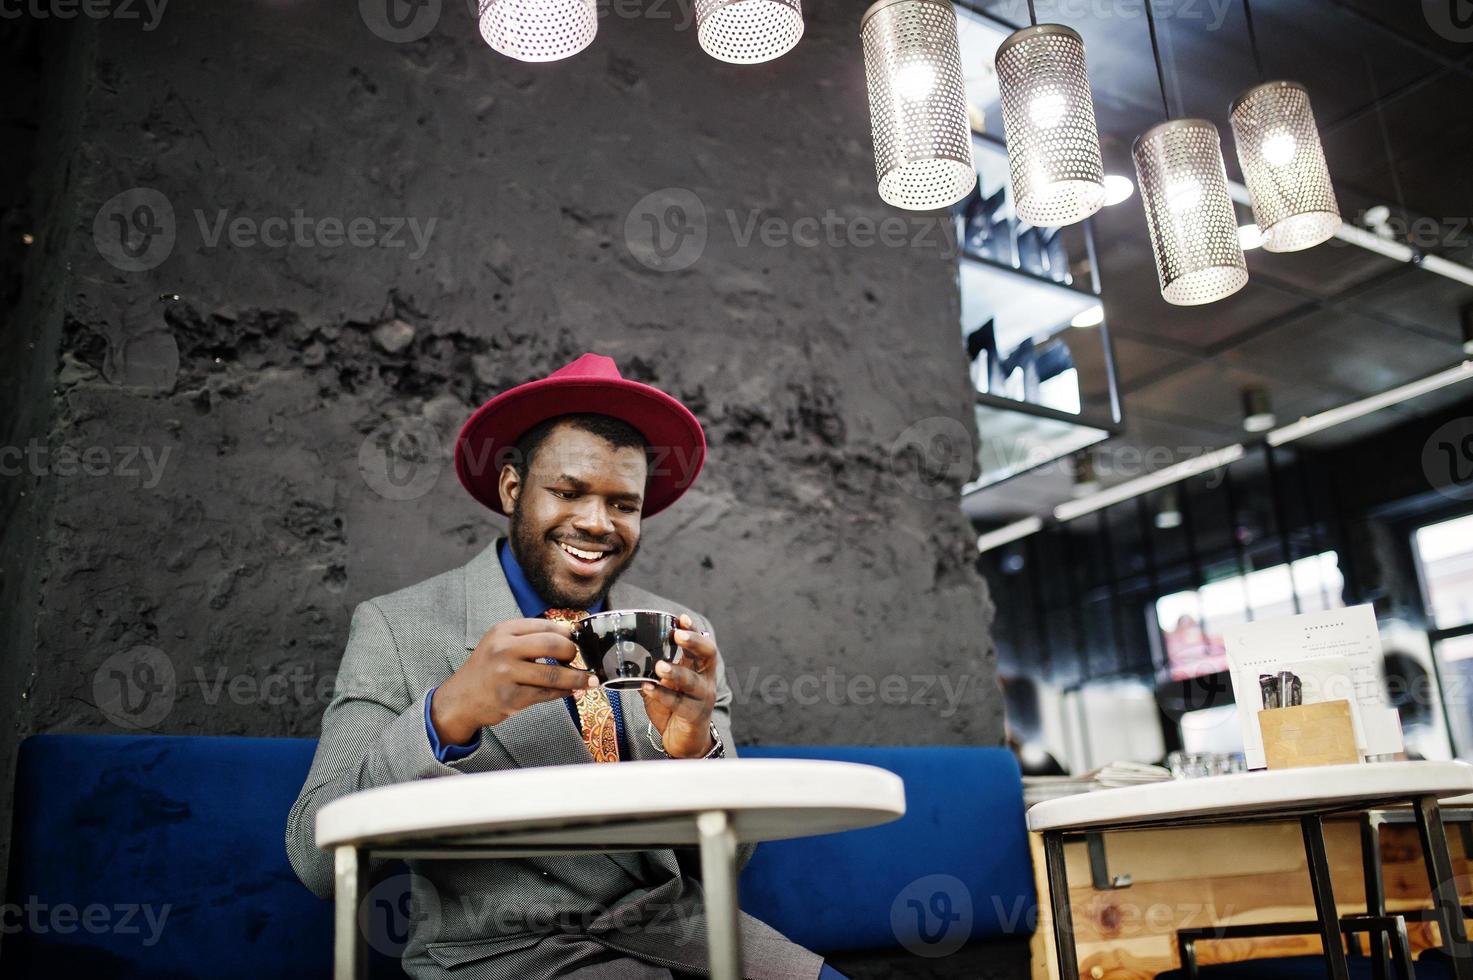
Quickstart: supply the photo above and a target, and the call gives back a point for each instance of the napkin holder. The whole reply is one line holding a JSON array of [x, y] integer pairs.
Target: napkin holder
[[1319, 734]]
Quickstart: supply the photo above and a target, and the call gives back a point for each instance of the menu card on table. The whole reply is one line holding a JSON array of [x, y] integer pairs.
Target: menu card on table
[[1336, 655]]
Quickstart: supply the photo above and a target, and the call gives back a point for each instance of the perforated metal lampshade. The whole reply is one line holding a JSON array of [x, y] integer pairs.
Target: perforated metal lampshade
[[745, 32], [918, 108], [1194, 231], [1049, 118], [538, 30], [1284, 166]]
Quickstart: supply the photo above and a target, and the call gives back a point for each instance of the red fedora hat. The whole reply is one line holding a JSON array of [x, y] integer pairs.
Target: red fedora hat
[[592, 383]]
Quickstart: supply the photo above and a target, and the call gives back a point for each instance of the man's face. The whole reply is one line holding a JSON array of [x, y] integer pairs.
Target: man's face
[[580, 493]]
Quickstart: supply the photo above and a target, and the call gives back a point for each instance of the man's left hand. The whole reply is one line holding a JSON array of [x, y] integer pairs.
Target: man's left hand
[[680, 705]]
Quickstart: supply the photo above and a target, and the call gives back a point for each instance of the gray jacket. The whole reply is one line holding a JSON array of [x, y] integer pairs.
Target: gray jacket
[[620, 915]]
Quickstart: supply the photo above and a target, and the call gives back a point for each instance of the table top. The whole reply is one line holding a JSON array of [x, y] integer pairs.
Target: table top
[[1270, 794], [620, 806]]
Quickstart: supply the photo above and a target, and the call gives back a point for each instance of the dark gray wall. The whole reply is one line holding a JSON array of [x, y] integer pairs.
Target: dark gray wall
[[42, 134], [233, 396]]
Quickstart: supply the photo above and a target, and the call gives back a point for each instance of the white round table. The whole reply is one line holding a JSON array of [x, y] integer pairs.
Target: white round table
[[1308, 794], [632, 805]]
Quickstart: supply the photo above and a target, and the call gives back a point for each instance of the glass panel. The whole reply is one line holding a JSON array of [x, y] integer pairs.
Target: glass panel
[[1029, 314], [979, 38], [1011, 442], [1192, 622], [1017, 336], [1455, 662], [1445, 552], [1456, 648]]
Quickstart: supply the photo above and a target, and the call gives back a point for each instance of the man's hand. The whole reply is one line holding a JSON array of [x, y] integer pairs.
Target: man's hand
[[502, 676], [680, 705]]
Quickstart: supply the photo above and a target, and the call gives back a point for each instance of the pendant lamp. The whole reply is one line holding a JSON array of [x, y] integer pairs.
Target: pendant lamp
[[918, 108], [747, 32], [1283, 161], [538, 30], [1193, 228], [1048, 116]]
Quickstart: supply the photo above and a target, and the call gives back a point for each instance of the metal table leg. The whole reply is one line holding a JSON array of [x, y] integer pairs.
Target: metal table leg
[[1403, 951], [1186, 950], [1444, 887], [719, 880], [350, 953], [1313, 829], [1058, 889], [1370, 856]]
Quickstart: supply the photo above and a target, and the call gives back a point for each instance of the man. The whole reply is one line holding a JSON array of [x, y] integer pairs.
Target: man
[[473, 671]]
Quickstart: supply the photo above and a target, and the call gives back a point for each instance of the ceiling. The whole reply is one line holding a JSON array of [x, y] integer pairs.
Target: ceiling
[[1394, 101]]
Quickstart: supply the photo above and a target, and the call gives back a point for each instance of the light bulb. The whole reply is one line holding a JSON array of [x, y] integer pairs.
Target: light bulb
[[1183, 194], [1250, 235], [1117, 189], [1048, 110], [1279, 148], [1091, 316], [915, 81], [1261, 422]]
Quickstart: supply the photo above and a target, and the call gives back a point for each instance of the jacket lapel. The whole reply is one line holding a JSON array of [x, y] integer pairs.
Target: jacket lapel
[[488, 600], [544, 734]]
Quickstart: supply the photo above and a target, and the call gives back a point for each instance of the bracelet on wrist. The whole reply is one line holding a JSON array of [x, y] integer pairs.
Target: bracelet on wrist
[[718, 749]]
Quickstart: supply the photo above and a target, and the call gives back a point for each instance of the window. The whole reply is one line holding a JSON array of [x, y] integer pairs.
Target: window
[[1192, 622], [1445, 558]]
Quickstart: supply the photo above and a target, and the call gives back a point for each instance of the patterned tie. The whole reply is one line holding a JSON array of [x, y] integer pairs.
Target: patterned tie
[[595, 713]]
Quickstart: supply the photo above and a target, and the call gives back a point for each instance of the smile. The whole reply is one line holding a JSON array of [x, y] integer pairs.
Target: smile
[[583, 559]]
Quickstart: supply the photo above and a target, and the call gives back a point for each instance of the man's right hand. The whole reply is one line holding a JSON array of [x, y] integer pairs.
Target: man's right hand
[[502, 676]]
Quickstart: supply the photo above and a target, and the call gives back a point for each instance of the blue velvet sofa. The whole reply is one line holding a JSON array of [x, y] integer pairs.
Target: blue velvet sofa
[[162, 857]]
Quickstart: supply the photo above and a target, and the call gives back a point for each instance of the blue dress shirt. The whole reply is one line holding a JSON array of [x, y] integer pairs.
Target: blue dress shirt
[[532, 606]]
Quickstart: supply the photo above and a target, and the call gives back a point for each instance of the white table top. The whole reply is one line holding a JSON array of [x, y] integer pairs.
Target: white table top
[[1283, 792], [625, 805]]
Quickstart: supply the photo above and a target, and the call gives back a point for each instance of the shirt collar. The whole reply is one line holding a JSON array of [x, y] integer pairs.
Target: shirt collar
[[529, 602]]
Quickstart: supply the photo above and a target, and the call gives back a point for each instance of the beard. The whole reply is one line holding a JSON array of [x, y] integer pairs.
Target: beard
[[527, 546]]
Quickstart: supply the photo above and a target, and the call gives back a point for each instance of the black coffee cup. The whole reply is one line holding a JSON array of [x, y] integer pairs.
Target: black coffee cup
[[622, 646]]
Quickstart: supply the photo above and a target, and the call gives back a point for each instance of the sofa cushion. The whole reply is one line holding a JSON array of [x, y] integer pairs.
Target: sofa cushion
[[159, 857], [163, 857], [955, 869]]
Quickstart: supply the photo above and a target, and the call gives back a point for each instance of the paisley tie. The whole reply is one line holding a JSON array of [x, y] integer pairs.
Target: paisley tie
[[595, 713]]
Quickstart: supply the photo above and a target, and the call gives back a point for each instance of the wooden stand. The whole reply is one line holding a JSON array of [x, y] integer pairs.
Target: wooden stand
[[1308, 735]]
